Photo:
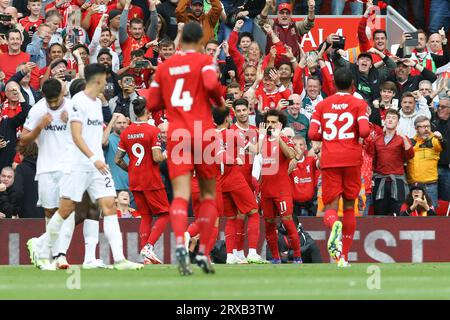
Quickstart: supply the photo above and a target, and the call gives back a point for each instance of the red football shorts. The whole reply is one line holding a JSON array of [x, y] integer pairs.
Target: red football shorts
[[186, 155], [242, 200], [272, 207], [345, 181], [151, 201], [195, 197]]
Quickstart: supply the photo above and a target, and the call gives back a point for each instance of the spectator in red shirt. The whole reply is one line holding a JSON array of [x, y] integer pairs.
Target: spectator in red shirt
[[390, 151], [92, 16], [14, 56], [33, 21], [134, 40], [272, 91], [302, 171]]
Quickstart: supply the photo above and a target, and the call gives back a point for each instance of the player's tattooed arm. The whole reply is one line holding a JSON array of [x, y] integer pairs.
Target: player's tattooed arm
[[158, 155], [118, 159]]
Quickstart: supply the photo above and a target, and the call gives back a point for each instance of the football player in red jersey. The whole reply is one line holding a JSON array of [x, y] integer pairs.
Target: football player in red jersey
[[239, 200], [276, 194], [185, 84], [140, 141], [339, 121]]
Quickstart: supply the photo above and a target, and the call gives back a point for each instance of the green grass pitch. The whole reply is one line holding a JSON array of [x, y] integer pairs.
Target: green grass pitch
[[279, 282]]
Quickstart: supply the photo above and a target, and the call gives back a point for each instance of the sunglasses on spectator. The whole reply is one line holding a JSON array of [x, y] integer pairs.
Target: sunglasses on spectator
[[424, 127], [442, 106]]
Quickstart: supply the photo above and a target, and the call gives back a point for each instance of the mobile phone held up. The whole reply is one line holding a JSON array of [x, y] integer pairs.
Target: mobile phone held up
[[5, 17], [339, 44], [144, 64], [412, 39]]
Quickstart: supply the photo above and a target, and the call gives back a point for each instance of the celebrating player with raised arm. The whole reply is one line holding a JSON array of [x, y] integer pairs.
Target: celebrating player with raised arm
[[339, 121], [185, 84], [142, 144], [86, 170]]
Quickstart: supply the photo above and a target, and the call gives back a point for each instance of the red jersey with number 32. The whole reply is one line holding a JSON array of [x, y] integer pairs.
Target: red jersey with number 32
[[180, 84], [138, 141], [338, 117]]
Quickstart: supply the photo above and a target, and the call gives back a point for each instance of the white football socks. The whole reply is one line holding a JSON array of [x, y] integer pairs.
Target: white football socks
[[252, 252], [111, 228], [65, 236], [50, 236], [90, 233]]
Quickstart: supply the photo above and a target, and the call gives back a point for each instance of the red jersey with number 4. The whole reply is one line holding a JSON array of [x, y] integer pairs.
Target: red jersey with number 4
[[184, 85], [275, 179], [339, 121], [138, 141]]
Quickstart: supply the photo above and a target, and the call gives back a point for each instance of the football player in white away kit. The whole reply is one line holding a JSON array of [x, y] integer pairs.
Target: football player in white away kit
[[87, 170], [47, 124]]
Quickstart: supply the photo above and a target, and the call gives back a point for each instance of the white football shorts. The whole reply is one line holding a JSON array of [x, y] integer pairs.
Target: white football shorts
[[75, 183]]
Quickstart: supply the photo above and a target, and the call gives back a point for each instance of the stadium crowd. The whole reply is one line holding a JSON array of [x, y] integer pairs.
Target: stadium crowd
[[262, 66]]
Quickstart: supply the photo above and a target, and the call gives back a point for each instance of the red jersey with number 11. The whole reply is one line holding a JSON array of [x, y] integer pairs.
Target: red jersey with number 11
[[184, 85], [342, 119], [138, 141]]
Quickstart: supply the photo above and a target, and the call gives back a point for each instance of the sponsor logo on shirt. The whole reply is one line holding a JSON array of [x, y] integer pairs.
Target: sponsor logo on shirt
[[94, 122], [56, 127]]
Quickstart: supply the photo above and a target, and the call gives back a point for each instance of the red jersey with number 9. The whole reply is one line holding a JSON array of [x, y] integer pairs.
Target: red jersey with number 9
[[184, 84], [138, 141], [339, 117]]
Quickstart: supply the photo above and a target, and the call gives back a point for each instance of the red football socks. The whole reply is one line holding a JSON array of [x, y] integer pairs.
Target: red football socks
[[158, 228], [215, 233], [178, 219], [230, 233], [193, 229], [253, 230], [240, 234], [206, 220], [348, 230], [144, 229], [293, 238], [272, 239], [330, 218]]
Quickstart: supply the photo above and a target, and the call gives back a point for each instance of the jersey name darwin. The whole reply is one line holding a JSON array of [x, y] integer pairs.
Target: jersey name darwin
[[136, 136], [179, 70]]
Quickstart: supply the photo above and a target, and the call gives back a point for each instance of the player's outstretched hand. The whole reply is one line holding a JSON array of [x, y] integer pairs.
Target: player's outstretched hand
[[277, 131], [102, 167]]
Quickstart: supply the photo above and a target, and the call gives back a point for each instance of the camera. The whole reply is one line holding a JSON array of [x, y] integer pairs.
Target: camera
[[128, 81], [144, 64], [69, 75], [339, 44], [5, 17], [230, 97], [290, 102], [413, 39]]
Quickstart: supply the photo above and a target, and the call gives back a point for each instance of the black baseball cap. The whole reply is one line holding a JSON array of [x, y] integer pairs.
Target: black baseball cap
[[365, 54], [197, 2], [419, 186], [56, 62]]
